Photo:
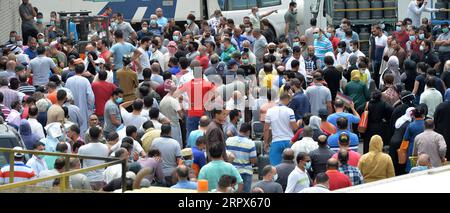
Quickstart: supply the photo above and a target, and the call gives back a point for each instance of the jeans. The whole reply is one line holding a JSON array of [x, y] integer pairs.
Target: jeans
[[247, 181], [292, 35], [192, 124], [276, 151]]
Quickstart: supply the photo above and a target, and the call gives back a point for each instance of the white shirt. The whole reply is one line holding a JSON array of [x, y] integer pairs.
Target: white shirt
[[280, 118], [342, 59], [302, 68], [160, 57], [112, 172], [306, 145], [36, 128], [297, 181], [358, 54], [156, 124], [109, 78], [381, 41], [432, 98], [122, 134], [415, 13], [319, 188], [37, 164], [145, 62], [94, 149], [129, 119]]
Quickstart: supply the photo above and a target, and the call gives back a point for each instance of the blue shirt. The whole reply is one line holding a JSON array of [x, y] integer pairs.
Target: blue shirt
[[118, 50], [243, 149], [413, 129], [157, 31], [239, 41], [31, 54], [174, 70], [350, 118], [300, 105], [162, 21], [73, 29], [184, 184], [199, 157], [333, 141], [322, 46], [193, 136]]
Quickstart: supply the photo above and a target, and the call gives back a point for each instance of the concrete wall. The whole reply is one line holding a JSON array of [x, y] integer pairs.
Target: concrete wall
[[9, 18]]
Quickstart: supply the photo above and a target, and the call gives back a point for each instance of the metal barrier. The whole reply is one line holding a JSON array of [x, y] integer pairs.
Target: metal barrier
[[364, 9], [64, 184]]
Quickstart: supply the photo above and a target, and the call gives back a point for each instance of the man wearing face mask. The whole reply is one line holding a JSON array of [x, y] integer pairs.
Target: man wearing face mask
[[416, 8], [154, 28], [443, 42], [429, 56], [322, 45], [400, 34], [111, 114], [12, 38], [40, 23], [268, 183], [144, 32], [299, 178]]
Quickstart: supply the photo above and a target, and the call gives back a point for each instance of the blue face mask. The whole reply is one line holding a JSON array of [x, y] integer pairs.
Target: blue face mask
[[296, 44], [412, 38], [153, 22], [340, 50], [398, 28], [188, 163], [445, 30], [328, 35], [421, 36], [308, 165], [119, 100], [175, 38], [316, 36]]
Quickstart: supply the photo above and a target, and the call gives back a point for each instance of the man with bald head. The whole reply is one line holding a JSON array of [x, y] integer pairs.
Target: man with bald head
[[352, 172], [337, 180], [320, 156], [194, 135], [238, 38], [182, 173], [423, 163], [246, 47], [285, 167]]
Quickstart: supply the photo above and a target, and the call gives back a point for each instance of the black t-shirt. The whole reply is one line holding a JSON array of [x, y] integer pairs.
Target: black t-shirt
[[421, 79], [333, 78], [430, 58]]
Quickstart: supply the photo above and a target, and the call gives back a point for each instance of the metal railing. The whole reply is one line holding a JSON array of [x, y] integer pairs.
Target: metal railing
[[64, 183], [364, 9]]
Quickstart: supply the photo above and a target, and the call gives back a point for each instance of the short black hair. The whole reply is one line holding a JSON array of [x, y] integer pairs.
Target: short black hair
[[75, 128], [138, 104], [245, 128], [59, 163], [166, 129], [216, 150], [267, 170], [153, 113], [233, 114], [79, 68], [33, 110], [322, 178], [117, 91], [147, 73], [295, 63], [153, 153], [342, 123], [148, 125], [130, 130], [61, 147], [184, 63], [41, 50], [61, 95], [102, 75], [292, 4], [118, 33], [328, 60], [94, 132], [200, 140], [301, 156], [148, 101], [313, 22], [343, 156], [112, 136]]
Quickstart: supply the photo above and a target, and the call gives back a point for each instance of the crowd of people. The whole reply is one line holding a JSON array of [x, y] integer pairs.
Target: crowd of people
[[210, 102]]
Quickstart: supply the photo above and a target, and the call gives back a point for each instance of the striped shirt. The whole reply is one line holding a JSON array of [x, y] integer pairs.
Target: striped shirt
[[22, 172], [27, 89], [243, 150], [9, 96], [322, 46]]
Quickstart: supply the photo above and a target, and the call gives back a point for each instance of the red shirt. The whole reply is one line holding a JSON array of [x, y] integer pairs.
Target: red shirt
[[104, 54], [338, 180], [196, 90], [353, 158], [102, 92], [335, 41], [402, 38], [160, 90], [204, 61], [415, 47]]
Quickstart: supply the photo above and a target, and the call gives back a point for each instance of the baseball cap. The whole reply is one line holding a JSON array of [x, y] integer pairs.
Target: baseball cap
[[169, 85], [18, 155], [232, 62], [100, 61], [186, 152], [41, 34]]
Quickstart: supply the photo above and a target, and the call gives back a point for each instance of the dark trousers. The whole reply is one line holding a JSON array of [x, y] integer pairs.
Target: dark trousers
[[376, 72], [28, 33], [443, 57]]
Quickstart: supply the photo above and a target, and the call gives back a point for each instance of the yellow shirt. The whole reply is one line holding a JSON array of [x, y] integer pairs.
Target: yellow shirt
[[148, 138]]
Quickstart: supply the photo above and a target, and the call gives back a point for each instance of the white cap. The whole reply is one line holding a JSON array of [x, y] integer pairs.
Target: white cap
[[100, 61], [18, 155], [130, 175]]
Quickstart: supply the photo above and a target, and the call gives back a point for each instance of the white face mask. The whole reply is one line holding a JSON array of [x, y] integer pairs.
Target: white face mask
[[19, 43], [275, 177], [352, 48]]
